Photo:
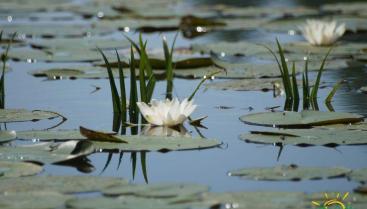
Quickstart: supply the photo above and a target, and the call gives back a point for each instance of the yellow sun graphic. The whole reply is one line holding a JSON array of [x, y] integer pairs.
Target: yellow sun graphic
[[337, 202]]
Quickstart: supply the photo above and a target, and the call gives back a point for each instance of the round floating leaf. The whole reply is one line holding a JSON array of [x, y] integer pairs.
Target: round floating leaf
[[33, 199], [307, 137], [346, 7], [47, 152], [54, 30], [359, 175], [7, 136], [342, 48], [18, 169], [19, 115], [263, 84], [229, 48], [124, 202], [63, 184], [290, 172], [156, 190], [300, 119], [59, 135], [79, 43], [73, 72], [134, 143], [156, 143], [258, 200]]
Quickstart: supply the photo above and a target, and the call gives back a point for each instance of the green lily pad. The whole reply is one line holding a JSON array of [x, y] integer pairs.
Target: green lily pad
[[155, 143], [50, 135], [7, 136], [352, 8], [134, 143], [18, 169], [307, 137], [258, 200], [33, 199], [263, 84], [156, 190], [145, 25], [230, 48], [277, 12], [54, 30], [69, 44], [339, 49], [74, 72], [296, 119], [359, 175], [290, 172], [132, 202], [47, 152], [19, 115], [62, 184], [35, 55]]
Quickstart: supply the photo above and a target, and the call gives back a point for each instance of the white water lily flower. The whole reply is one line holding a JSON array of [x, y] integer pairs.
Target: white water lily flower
[[167, 112], [322, 33]]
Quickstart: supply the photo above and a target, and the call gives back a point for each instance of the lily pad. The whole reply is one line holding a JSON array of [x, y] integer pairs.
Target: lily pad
[[19, 115], [70, 55], [307, 137], [62, 184], [258, 200], [134, 143], [132, 202], [339, 49], [359, 175], [230, 48], [79, 43], [7, 136], [51, 135], [74, 72], [300, 119], [156, 190], [18, 169], [155, 143], [33, 199], [290, 172], [54, 30], [263, 84], [352, 8], [47, 152]]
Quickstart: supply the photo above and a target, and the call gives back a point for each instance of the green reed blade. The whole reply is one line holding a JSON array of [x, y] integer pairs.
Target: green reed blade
[[134, 111], [144, 166], [201, 83], [294, 83], [133, 163], [318, 79], [285, 76], [333, 91], [114, 92], [169, 66], [122, 84]]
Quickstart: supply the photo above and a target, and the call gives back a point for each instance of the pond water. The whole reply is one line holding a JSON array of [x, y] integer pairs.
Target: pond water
[[76, 100]]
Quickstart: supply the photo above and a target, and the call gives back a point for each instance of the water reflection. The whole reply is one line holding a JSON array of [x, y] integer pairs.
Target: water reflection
[[178, 131]]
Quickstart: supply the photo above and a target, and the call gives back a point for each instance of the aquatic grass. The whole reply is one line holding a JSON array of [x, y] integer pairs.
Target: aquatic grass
[[4, 59], [168, 55], [309, 94]]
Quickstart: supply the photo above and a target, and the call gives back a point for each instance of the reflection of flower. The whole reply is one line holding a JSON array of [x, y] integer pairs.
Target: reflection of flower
[[168, 112], [165, 131], [321, 33]]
